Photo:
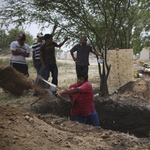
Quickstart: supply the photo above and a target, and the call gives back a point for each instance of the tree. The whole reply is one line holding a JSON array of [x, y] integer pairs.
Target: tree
[[142, 27], [3, 39], [12, 35], [107, 23]]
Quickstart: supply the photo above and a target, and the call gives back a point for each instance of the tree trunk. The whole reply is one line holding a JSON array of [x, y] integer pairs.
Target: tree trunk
[[103, 84], [104, 76]]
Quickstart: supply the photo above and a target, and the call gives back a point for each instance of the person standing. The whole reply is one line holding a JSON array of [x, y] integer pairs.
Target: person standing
[[81, 94], [19, 51], [82, 59], [47, 57], [36, 52]]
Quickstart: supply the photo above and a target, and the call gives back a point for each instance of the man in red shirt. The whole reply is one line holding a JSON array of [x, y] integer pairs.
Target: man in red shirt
[[83, 108]]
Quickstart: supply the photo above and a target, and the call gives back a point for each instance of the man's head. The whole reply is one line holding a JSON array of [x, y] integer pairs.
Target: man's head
[[40, 37], [83, 39], [21, 38], [48, 38], [82, 78]]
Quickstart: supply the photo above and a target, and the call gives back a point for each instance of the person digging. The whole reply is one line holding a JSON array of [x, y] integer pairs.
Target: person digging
[[81, 94]]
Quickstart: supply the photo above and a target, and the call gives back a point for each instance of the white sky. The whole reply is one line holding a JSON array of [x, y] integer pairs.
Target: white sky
[[34, 29]]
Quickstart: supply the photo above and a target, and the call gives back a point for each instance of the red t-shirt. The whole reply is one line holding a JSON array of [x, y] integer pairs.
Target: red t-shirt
[[83, 102]]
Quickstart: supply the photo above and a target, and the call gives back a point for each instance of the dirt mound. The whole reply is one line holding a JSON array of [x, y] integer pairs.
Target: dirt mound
[[15, 82], [22, 130], [139, 88]]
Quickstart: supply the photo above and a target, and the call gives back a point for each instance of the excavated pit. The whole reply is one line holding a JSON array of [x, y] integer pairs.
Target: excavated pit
[[124, 117], [129, 113]]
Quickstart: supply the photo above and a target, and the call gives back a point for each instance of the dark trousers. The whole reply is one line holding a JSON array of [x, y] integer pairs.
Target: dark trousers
[[54, 71], [23, 68], [81, 69]]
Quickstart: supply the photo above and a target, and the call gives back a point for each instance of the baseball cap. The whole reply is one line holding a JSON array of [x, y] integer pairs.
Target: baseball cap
[[21, 37], [40, 34], [83, 39]]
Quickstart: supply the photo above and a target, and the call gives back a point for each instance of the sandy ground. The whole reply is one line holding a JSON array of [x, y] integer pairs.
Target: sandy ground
[[25, 130]]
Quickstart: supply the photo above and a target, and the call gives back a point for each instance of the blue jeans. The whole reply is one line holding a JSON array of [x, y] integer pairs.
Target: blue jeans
[[91, 119], [39, 71], [39, 67], [54, 71]]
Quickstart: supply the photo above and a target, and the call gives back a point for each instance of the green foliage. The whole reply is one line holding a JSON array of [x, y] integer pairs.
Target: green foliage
[[99, 20], [6, 39], [3, 39], [113, 23], [13, 34]]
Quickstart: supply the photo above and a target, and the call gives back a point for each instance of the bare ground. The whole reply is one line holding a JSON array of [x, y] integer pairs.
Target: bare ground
[[48, 125]]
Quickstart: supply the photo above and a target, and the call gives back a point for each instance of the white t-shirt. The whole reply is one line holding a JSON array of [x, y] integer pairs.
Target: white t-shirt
[[18, 58]]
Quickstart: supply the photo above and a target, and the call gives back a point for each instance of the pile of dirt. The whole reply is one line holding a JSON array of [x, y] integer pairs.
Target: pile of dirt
[[13, 81], [16, 83], [139, 88], [23, 130]]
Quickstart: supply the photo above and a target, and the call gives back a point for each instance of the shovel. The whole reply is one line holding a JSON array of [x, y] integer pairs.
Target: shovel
[[50, 88]]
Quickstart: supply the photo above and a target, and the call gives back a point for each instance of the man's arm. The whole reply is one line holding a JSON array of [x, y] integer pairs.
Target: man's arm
[[61, 44], [18, 52], [41, 59], [116, 49], [14, 52], [96, 53], [33, 57], [72, 54], [68, 91]]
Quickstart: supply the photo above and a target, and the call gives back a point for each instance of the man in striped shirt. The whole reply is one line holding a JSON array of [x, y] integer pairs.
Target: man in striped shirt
[[36, 54], [82, 59], [81, 93]]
